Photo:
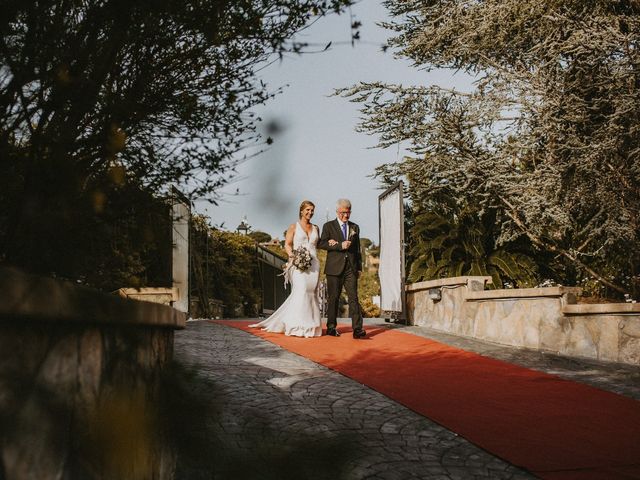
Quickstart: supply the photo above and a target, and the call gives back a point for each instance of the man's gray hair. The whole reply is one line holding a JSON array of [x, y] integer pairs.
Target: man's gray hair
[[343, 202]]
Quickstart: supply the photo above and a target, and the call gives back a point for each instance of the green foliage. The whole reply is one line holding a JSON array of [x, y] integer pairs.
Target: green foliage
[[464, 244], [546, 134], [368, 283], [115, 235], [130, 240], [99, 99], [278, 250], [224, 267], [164, 88], [368, 286], [260, 237], [365, 243]]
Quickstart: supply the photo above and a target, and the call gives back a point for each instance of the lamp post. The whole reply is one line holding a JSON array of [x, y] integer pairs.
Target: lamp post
[[244, 227]]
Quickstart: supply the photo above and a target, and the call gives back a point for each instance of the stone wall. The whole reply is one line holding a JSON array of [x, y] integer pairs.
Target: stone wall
[[609, 331], [165, 296], [546, 319], [440, 304], [80, 382]]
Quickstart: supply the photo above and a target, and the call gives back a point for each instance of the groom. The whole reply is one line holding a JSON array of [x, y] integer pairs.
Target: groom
[[341, 239]]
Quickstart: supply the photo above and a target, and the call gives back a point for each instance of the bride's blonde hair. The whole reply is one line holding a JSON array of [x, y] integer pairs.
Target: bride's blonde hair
[[303, 205]]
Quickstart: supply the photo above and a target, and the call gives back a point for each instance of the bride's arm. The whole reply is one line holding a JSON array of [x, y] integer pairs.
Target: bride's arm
[[288, 240]]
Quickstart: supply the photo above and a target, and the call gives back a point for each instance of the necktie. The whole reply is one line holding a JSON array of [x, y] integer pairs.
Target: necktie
[[344, 231]]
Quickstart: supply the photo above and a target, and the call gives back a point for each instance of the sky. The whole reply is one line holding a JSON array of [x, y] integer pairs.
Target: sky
[[317, 155]]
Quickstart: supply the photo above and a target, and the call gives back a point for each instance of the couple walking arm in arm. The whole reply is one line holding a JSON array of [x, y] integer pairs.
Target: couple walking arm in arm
[[299, 315]]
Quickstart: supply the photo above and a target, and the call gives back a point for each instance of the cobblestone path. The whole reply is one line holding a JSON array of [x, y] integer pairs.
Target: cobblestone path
[[278, 415]]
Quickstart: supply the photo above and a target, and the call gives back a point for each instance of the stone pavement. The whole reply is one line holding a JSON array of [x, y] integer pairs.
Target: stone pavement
[[276, 415]]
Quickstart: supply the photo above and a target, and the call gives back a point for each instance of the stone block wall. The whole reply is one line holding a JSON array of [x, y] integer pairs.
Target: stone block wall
[[80, 376], [441, 304], [546, 319], [527, 317], [609, 332], [165, 296]]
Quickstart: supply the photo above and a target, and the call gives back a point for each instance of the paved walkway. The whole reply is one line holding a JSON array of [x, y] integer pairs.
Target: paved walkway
[[276, 415]]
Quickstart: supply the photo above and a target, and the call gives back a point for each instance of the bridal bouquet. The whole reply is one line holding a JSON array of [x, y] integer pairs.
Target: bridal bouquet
[[301, 259]]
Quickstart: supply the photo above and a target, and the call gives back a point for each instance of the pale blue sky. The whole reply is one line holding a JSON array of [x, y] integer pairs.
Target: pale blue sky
[[318, 156]]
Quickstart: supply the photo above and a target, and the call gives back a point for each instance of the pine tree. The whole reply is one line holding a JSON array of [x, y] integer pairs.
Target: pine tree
[[548, 135]]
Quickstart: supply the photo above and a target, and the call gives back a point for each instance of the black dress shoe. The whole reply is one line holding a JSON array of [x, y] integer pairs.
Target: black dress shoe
[[359, 334], [333, 332]]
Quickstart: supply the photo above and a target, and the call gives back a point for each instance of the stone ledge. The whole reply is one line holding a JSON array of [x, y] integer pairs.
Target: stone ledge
[[602, 309], [446, 282], [163, 295], [515, 293], [39, 298]]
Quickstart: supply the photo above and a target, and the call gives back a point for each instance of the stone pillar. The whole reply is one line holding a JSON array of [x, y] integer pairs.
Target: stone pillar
[[181, 214]]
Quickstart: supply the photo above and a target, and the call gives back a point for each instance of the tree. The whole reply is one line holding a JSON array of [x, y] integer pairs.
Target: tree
[[260, 237], [464, 244], [224, 268], [368, 287], [365, 243], [148, 92], [548, 135]]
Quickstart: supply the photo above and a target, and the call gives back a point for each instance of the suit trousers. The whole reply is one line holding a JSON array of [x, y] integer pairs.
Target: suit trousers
[[349, 280]]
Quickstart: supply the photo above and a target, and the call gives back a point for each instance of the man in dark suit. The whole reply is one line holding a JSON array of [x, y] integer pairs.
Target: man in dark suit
[[341, 239]]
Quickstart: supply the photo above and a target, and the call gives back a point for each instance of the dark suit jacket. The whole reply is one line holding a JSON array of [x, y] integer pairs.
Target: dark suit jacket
[[336, 257]]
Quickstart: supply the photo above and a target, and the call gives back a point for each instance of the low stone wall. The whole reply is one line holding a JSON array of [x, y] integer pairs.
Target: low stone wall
[[546, 319], [165, 296], [608, 331], [529, 317], [80, 376], [441, 304]]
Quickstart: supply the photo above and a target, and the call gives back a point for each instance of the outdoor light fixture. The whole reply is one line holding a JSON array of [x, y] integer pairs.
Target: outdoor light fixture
[[435, 294]]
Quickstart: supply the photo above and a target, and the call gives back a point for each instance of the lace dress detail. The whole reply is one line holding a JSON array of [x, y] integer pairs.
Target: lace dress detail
[[299, 315]]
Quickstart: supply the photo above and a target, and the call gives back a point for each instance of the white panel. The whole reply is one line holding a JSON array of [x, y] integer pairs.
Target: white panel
[[391, 254], [180, 270]]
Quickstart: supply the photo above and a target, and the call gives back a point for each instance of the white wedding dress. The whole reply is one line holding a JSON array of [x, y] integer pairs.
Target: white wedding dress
[[299, 315]]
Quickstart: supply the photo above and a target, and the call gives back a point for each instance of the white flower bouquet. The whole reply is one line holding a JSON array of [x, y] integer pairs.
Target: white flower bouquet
[[301, 260]]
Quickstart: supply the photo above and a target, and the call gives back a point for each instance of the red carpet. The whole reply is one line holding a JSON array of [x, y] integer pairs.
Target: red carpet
[[554, 428]]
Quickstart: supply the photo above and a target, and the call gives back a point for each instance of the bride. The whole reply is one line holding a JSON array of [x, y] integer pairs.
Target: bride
[[299, 315]]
